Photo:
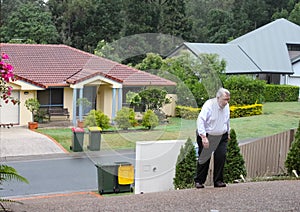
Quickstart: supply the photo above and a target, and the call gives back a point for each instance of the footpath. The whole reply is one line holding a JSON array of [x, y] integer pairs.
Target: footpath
[[254, 196], [250, 196]]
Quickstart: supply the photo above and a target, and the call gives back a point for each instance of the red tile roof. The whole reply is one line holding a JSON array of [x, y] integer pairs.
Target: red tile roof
[[61, 65]]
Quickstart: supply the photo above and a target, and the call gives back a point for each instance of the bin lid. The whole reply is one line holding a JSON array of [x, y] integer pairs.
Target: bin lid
[[77, 129], [125, 174], [95, 129]]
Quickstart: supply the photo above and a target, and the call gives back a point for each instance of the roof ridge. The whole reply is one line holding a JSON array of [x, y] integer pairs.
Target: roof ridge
[[262, 28]]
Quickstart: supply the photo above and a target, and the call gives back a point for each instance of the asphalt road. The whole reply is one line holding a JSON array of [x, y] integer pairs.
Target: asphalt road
[[60, 173]]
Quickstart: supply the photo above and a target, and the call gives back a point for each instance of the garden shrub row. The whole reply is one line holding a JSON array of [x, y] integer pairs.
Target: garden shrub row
[[281, 93], [246, 110], [235, 111]]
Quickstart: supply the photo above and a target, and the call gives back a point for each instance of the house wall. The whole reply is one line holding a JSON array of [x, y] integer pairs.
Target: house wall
[[293, 79], [68, 101], [104, 100], [25, 114]]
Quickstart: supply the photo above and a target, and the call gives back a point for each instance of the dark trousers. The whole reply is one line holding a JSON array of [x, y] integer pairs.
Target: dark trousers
[[219, 161]]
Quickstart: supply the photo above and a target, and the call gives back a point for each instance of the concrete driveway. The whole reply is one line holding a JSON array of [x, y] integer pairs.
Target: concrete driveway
[[20, 141]]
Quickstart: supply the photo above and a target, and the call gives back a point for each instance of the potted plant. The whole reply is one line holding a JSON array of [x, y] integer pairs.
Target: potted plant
[[33, 106]]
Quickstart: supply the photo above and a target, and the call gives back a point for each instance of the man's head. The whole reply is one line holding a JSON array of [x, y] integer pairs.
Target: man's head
[[223, 97]]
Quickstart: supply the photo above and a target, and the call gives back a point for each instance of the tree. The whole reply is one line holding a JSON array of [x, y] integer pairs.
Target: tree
[[293, 158], [235, 164], [295, 14], [174, 20], [141, 17], [153, 98], [219, 26], [30, 21], [151, 64], [83, 23], [185, 166]]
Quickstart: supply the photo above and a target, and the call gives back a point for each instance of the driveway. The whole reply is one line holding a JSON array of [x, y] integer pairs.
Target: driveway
[[20, 141]]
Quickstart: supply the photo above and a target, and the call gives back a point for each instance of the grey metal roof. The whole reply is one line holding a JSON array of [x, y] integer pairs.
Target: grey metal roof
[[267, 45], [236, 60], [263, 50]]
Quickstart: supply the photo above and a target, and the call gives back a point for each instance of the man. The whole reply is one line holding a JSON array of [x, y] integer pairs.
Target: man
[[212, 136]]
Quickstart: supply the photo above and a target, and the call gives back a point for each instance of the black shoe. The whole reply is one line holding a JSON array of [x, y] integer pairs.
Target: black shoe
[[199, 185], [219, 185]]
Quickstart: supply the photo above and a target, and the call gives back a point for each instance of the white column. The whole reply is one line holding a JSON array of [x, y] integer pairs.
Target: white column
[[120, 99], [113, 113], [74, 106], [80, 105]]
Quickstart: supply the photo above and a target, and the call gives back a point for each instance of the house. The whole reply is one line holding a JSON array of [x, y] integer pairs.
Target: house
[[57, 75], [271, 53]]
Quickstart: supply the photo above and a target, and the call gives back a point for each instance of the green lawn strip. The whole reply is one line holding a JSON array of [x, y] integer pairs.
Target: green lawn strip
[[277, 117]]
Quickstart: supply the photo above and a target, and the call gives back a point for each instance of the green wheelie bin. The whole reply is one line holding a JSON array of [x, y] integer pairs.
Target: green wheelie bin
[[106, 178], [94, 138], [77, 139], [115, 178]]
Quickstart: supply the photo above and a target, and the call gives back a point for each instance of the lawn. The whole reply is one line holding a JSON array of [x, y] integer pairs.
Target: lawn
[[277, 117]]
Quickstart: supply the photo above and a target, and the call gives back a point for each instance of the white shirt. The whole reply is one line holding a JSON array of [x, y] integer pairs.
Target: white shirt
[[213, 119]]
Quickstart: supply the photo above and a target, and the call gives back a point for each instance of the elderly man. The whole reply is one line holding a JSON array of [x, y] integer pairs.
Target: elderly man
[[212, 136]]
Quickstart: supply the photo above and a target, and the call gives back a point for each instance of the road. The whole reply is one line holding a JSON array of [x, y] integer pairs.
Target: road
[[61, 173]]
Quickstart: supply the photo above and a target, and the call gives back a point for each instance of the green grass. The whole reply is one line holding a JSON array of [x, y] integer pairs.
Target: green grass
[[277, 117]]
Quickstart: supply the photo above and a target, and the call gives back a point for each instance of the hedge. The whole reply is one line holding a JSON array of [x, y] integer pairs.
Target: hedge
[[235, 111], [281, 93]]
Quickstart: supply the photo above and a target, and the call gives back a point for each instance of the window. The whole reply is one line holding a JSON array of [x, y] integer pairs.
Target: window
[[293, 47], [52, 97]]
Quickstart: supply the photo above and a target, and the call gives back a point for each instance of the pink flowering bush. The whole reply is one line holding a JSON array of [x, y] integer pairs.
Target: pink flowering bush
[[6, 75]]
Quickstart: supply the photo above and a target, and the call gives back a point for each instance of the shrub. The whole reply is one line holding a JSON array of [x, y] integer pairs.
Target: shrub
[[185, 166], [293, 158], [235, 164], [125, 118], [187, 112], [97, 118], [150, 120], [245, 90], [281, 93], [235, 111], [246, 110], [33, 105]]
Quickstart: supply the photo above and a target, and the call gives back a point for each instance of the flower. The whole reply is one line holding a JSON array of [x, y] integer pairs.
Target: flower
[[6, 76]]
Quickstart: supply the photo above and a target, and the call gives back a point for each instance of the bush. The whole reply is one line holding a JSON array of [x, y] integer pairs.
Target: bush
[[235, 111], [187, 112], [245, 90], [246, 110], [185, 166], [125, 118], [97, 118], [281, 93], [150, 120], [293, 158], [235, 164]]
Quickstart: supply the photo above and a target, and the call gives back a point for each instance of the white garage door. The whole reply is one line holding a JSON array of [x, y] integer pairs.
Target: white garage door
[[9, 113]]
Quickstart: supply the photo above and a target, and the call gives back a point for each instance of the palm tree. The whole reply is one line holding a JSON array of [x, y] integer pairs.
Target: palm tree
[[8, 173]]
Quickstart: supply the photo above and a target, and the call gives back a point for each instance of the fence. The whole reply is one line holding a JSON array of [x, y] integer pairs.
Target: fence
[[264, 156]]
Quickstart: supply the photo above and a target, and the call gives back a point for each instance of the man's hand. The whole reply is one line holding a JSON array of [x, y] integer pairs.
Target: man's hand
[[205, 142]]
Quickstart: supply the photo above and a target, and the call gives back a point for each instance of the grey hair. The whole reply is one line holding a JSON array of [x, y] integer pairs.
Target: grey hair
[[222, 92]]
